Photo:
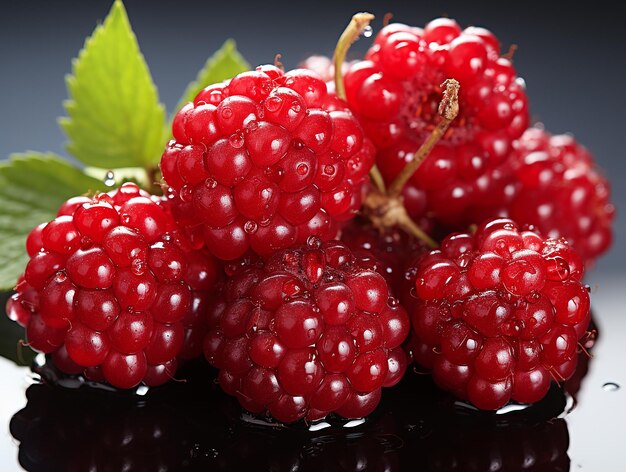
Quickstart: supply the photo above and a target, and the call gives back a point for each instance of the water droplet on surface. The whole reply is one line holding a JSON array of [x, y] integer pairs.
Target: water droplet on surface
[[302, 169], [611, 387], [109, 178], [368, 31]]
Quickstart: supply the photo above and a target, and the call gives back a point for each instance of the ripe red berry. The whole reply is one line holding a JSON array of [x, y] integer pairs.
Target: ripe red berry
[[497, 315], [384, 251], [307, 333], [396, 92], [113, 290], [263, 162], [562, 192]]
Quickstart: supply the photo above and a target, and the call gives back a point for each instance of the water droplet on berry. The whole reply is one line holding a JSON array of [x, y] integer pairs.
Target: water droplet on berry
[[391, 301], [186, 193], [273, 103], [109, 178], [227, 113], [313, 242], [297, 143], [138, 266], [252, 125], [302, 169], [296, 107], [250, 227], [125, 218], [557, 268], [521, 82], [167, 237], [329, 169], [210, 183], [236, 140], [60, 276], [367, 32]]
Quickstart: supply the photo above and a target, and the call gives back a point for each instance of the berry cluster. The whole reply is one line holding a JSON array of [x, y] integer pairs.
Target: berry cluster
[[262, 162], [307, 333], [395, 93], [562, 193], [266, 170], [498, 314], [112, 290]]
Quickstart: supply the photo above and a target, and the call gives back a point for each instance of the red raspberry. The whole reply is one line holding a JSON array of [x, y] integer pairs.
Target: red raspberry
[[306, 334], [113, 291], [498, 314], [396, 92], [262, 163], [562, 192], [384, 251]]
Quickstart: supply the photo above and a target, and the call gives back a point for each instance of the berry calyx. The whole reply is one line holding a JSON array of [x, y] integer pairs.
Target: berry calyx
[[113, 290], [498, 314], [307, 333], [263, 161]]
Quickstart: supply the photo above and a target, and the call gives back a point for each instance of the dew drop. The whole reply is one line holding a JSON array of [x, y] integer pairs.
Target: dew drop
[[210, 183], [393, 302], [250, 227], [109, 178], [329, 169], [297, 143], [302, 169], [272, 104], [611, 387], [125, 218], [236, 140], [60, 276], [252, 125], [313, 242], [138, 266], [227, 113], [296, 107], [186, 193]]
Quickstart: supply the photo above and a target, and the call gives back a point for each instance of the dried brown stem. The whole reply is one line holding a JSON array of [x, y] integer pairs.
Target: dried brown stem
[[448, 110], [385, 212]]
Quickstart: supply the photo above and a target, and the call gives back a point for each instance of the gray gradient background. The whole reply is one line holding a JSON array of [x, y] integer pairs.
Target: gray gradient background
[[571, 55]]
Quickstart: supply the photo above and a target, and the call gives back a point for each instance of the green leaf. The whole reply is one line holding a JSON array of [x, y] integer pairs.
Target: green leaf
[[224, 64], [32, 188], [114, 117]]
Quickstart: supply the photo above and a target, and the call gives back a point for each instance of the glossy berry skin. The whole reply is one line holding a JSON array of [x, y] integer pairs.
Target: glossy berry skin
[[562, 192], [264, 161], [113, 290], [396, 91], [497, 315], [307, 333], [384, 251]]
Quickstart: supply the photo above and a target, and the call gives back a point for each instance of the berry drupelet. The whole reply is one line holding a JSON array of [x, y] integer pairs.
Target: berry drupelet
[[113, 291], [307, 333], [561, 192], [395, 93], [497, 315], [264, 161]]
